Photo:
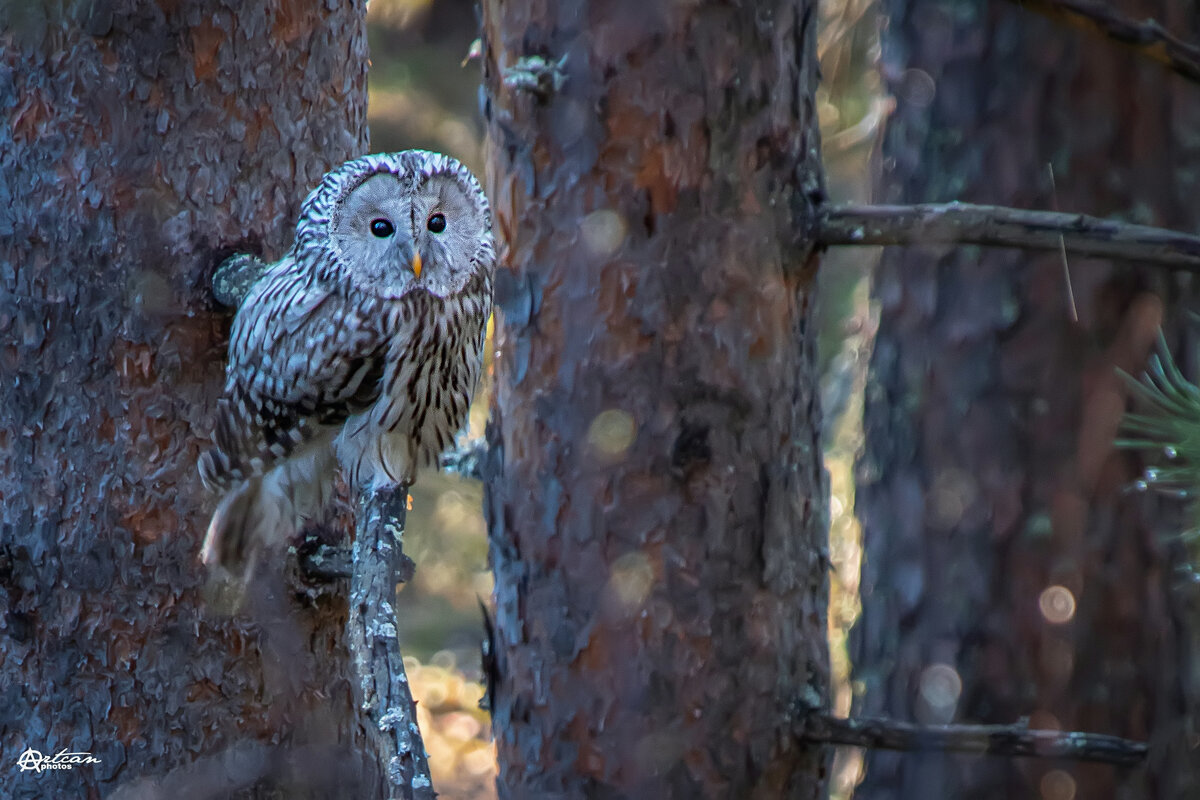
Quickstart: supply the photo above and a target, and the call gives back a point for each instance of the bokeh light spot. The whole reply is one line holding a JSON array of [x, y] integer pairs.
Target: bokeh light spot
[[940, 687], [1044, 720], [603, 232], [612, 432], [952, 493], [1057, 785], [1057, 604], [631, 579], [1057, 659], [918, 87]]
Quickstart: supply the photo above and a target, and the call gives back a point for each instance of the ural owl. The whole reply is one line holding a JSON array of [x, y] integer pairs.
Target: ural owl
[[362, 346]]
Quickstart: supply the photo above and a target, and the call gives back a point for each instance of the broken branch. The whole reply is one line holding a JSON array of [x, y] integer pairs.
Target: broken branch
[[381, 688], [1147, 37], [999, 740], [963, 223]]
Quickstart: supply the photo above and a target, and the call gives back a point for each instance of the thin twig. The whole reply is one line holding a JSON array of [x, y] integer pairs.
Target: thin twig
[[998, 740], [1062, 252], [962, 223], [379, 564], [1147, 37]]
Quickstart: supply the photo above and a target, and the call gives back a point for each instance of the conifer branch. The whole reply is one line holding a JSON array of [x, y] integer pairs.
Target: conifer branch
[[963, 223], [999, 740], [1147, 37]]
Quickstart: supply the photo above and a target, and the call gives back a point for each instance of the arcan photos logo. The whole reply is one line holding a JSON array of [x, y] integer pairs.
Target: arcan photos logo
[[33, 760]]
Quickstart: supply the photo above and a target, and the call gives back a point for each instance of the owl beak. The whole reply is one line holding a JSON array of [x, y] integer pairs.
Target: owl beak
[[416, 264]]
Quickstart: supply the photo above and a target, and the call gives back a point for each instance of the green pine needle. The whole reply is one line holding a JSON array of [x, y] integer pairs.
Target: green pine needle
[[1168, 420]]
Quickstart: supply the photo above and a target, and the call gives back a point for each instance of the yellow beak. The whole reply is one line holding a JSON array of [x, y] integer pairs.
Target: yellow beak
[[416, 264]]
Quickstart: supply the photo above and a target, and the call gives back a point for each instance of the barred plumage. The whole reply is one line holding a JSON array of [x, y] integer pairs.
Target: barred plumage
[[361, 347]]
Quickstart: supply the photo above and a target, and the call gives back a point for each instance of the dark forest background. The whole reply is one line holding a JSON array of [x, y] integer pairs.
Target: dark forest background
[[988, 478], [993, 557]]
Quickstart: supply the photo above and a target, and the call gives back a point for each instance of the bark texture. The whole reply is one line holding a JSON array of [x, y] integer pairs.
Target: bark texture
[[141, 142], [656, 501], [379, 563], [989, 475]]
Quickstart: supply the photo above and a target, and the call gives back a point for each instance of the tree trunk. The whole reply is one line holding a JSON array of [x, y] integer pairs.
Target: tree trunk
[[139, 145], [656, 504], [1009, 571]]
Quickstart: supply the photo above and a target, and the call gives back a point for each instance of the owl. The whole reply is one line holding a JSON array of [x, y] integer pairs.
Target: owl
[[359, 350]]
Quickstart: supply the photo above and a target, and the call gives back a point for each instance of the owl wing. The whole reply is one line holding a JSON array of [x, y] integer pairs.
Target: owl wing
[[302, 356]]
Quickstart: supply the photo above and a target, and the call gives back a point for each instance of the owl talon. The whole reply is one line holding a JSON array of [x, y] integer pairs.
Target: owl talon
[[235, 277]]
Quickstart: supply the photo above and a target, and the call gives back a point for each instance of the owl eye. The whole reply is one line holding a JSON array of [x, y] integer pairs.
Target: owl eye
[[436, 224], [382, 228]]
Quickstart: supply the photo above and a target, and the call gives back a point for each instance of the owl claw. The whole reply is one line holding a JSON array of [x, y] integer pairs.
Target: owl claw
[[234, 278]]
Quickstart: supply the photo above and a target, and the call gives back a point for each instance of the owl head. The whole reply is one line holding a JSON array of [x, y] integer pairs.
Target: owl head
[[394, 223]]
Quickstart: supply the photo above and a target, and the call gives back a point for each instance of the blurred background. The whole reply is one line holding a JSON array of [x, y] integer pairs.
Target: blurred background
[[424, 89]]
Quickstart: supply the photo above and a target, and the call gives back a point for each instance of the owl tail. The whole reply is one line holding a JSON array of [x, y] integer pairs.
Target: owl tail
[[261, 514], [246, 518]]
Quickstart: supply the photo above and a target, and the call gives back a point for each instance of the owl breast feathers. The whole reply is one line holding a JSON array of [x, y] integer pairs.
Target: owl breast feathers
[[360, 348]]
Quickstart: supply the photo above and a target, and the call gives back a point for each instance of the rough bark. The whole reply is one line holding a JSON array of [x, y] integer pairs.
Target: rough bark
[[141, 142], [989, 473], [656, 502], [383, 694]]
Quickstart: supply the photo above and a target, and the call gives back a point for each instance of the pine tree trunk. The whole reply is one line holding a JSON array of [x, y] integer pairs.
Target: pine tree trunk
[[989, 474], [139, 144], [657, 505]]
